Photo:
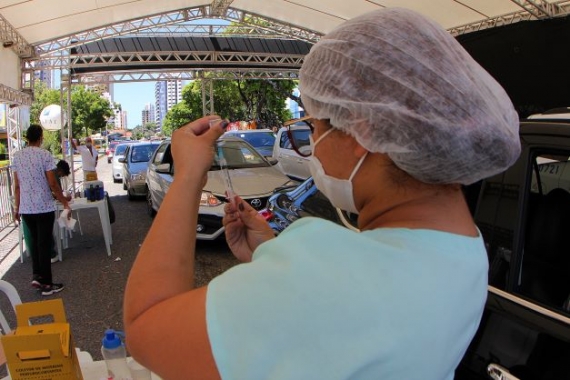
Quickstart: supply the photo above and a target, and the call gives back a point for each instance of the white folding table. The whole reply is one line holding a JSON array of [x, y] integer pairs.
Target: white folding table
[[83, 203]]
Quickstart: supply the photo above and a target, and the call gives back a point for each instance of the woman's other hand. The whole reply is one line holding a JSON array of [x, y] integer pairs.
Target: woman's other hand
[[245, 229], [193, 148]]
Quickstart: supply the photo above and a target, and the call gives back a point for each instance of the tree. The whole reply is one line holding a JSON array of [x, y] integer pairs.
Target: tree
[[256, 100], [43, 97], [89, 111], [144, 131], [178, 115]]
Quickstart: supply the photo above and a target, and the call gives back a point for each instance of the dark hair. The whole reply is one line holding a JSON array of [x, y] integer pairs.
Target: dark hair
[[63, 166], [34, 133]]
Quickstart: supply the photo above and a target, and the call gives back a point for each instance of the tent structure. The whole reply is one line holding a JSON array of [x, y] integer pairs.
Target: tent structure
[[44, 34], [96, 40]]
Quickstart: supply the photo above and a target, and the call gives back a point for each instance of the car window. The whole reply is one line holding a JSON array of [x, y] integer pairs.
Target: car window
[[142, 153], [160, 154], [258, 139], [284, 142], [544, 276], [238, 155], [301, 137], [120, 149]]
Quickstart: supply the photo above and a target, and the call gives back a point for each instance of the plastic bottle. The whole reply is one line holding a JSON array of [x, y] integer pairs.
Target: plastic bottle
[[115, 355], [96, 198]]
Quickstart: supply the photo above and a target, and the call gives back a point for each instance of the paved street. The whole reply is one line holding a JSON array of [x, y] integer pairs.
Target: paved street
[[95, 282]]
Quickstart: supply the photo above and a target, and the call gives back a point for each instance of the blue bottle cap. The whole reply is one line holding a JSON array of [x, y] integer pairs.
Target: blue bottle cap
[[111, 339]]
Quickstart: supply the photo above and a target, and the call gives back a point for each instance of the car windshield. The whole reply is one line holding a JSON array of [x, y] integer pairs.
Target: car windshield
[[238, 155], [142, 153], [120, 149], [258, 139], [113, 144]]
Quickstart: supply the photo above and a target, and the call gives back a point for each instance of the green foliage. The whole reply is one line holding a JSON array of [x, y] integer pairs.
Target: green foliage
[[52, 142], [144, 131], [252, 99], [43, 97], [89, 111], [3, 149], [178, 115]]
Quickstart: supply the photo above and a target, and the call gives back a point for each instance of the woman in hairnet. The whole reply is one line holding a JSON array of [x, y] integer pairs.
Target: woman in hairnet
[[402, 117]]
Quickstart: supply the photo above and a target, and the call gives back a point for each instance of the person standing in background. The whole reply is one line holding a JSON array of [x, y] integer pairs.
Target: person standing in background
[[62, 170], [34, 184], [89, 159]]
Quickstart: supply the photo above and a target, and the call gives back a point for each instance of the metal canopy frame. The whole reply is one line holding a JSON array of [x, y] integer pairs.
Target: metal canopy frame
[[222, 65], [259, 25]]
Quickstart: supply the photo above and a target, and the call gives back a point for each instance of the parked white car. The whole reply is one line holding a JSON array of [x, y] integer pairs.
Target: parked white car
[[117, 167], [253, 178], [290, 162]]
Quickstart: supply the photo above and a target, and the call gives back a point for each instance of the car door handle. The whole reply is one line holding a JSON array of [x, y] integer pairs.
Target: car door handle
[[498, 372]]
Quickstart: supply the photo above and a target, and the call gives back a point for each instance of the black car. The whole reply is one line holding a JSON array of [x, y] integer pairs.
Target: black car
[[292, 203]]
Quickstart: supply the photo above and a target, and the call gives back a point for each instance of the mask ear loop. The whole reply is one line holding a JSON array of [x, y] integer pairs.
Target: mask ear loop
[[355, 170], [322, 137]]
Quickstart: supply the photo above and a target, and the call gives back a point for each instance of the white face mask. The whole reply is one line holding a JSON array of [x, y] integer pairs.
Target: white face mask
[[338, 191]]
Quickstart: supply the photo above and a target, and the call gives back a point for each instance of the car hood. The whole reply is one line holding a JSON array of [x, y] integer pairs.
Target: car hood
[[138, 167], [250, 182]]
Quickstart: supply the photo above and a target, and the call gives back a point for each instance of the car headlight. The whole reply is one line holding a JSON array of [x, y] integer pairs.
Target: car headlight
[[137, 177], [209, 200]]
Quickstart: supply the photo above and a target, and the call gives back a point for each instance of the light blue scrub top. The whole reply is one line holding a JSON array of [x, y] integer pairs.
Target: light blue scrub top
[[324, 302]]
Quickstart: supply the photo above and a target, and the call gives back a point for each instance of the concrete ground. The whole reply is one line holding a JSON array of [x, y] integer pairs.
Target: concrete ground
[[94, 282]]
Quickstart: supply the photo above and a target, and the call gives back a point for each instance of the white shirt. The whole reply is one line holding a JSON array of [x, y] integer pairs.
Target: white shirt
[[88, 157], [31, 165]]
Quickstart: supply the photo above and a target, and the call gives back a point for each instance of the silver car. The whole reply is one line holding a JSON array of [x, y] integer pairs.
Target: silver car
[[135, 164], [253, 178]]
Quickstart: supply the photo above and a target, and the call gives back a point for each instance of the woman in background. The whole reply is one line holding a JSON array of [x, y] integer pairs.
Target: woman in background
[[35, 186]]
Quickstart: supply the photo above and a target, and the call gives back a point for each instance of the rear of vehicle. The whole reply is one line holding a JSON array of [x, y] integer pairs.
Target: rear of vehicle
[[134, 171], [117, 166], [111, 151]]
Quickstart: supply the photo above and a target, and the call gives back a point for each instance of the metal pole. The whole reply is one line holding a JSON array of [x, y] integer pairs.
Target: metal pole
[[69, 128]]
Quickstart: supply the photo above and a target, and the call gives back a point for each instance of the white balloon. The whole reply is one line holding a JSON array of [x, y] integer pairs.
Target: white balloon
[[50, 118]]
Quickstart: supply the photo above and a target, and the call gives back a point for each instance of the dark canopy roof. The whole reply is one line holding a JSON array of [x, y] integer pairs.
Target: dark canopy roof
[[530, 59]]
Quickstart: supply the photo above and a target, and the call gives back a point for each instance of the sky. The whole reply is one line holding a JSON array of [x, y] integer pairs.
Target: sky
[[133, 96]]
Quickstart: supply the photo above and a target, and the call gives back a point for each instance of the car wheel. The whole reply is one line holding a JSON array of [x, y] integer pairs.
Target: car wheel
[[124, 185], [130, 196], [150, 210]]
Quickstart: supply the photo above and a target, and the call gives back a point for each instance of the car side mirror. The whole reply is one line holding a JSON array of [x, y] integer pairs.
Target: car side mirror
[[122, 160], [163, 168], [272, 160]]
